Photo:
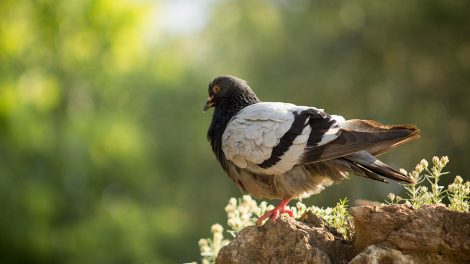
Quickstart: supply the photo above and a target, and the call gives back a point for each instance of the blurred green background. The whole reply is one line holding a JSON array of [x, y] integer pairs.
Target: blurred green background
[[103, 150]]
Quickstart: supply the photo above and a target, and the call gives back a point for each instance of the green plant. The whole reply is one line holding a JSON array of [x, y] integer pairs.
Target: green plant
[[418, 194], [337, 217], [243, 212], [210, 247], [459, 195]]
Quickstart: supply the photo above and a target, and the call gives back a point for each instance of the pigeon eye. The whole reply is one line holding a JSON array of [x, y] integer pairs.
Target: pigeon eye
[[216, 89]]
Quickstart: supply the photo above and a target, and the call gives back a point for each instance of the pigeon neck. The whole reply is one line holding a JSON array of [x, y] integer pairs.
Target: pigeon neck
[[223, 113], [230, 106]]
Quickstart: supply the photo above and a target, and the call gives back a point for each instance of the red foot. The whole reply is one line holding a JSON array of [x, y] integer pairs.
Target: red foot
[[274, 214]]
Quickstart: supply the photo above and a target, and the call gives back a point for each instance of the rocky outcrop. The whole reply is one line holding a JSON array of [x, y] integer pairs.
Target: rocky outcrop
[[288, 241], [383, 234], [432, 234]]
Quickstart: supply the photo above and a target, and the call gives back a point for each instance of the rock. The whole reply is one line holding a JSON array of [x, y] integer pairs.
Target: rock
[[375, 254], [383, 234], [431, 234], [288, 241]]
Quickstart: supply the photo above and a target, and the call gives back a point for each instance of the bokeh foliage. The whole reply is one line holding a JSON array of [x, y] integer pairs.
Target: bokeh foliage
[[103, 156]]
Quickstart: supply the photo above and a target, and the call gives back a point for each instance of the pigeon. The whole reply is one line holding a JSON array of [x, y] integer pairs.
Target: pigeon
[[283, 151]]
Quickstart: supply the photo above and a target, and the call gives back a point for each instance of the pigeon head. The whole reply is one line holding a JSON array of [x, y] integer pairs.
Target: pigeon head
[[228, 95], [229, 92]]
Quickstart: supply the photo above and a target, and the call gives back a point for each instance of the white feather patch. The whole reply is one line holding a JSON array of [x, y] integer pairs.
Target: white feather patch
[[332, 133], [252, 134]]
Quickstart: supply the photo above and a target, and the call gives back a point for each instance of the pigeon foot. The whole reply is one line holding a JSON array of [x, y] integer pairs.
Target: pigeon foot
[[274, 214]]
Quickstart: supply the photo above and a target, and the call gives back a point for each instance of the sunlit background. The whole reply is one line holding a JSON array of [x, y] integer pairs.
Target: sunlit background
[[103, 150]]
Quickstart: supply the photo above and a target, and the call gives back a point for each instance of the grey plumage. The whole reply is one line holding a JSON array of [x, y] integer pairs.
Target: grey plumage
[[284, 151]]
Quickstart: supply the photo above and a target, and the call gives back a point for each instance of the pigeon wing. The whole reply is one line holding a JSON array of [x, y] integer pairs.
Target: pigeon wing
[[271, 138], [361, 135]]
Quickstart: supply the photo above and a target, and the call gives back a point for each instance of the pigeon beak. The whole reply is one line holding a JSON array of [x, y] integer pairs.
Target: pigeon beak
[[209, 103]]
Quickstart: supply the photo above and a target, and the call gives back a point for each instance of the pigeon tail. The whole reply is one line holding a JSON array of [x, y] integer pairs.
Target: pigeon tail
[[370, 167]]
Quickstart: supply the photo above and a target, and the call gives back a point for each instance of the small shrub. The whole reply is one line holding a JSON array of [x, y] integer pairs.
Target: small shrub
[[210, 247], [337, 217], [426, 189], [458, 194]]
